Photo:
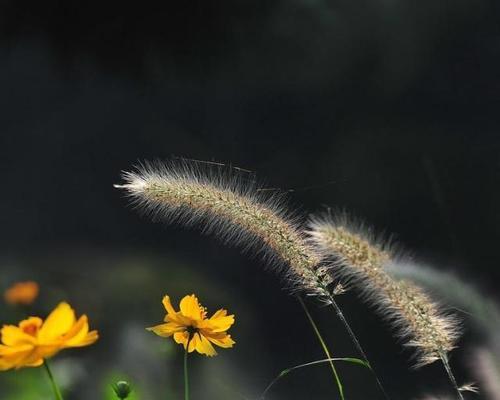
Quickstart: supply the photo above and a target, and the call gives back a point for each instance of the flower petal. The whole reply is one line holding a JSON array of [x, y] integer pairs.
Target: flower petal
[[181, 338], [193, 343], [178, 319], [191, 308], [38, 353], [203, 346], [91, 337], [168, 305], [35, 363], [219, 313], [166, 330], [222, 340], [13, 335], [77, 332], [78, 335], [57, 323], [8, 351], [5, 365], [220, 321], [14, 357]]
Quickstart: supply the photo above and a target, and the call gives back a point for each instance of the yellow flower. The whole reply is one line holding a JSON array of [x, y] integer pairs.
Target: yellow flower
[[33, 340], [191, 327], [22, 293]]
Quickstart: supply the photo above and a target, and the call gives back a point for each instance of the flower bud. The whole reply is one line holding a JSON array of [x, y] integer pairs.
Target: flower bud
[[122, 389]]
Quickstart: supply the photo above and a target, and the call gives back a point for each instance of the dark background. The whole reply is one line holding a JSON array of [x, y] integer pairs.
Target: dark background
[[385, 108]]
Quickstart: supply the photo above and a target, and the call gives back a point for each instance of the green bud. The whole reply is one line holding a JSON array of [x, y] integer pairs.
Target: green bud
[[122, 389]]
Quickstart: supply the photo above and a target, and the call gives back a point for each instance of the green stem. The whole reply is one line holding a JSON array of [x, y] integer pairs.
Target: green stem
[[331, 300], [186, 375], [324, 346], [55, 388], [444, 359], [355, 340]]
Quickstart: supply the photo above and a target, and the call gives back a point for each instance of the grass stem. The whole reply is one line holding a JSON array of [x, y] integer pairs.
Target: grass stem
[[55, 388], [324, 346], [355, 340], [444, 359]]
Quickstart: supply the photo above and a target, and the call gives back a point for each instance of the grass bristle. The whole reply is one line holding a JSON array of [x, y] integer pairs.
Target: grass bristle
[[360, 261]]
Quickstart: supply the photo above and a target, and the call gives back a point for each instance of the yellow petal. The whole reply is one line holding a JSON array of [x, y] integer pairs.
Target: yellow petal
[[13, 336], [78, 335], [203, 346], [168, 305], [191, 308], [8, 351], [181, 338], [5, 365], [36, 363], [39, 353], [219, 313], [15, 357], [166, 330], [193, 343], [77, 332], [57, 323], [220, 321], [91, 337], [222, 340], [178, 319]]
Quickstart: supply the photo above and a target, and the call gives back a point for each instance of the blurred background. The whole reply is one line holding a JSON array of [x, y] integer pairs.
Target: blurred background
[[387, 109]]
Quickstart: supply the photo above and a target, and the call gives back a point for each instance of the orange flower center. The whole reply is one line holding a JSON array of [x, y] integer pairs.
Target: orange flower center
[[30, 329]]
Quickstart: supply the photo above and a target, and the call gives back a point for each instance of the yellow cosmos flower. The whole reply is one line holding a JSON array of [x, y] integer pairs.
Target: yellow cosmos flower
[[34, 340], [22, 293], [191, 328]]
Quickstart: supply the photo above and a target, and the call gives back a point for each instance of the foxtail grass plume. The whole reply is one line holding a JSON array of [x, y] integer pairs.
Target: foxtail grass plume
[[361, 261], [234, 209]]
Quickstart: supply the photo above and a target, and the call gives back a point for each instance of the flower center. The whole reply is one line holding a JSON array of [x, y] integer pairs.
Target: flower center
[[30, 329], [191, 330]]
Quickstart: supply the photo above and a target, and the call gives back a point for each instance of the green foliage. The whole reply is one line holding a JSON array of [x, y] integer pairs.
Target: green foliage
[[28, 384]]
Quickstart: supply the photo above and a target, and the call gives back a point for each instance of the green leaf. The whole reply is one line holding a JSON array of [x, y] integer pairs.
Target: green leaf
[[351, 360], [355, 361]]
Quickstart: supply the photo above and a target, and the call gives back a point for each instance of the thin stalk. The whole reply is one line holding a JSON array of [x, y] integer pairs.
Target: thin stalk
[[444, 359], [327, 360], [186, 375], [55, 388], [324, 346], [355, 340]]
